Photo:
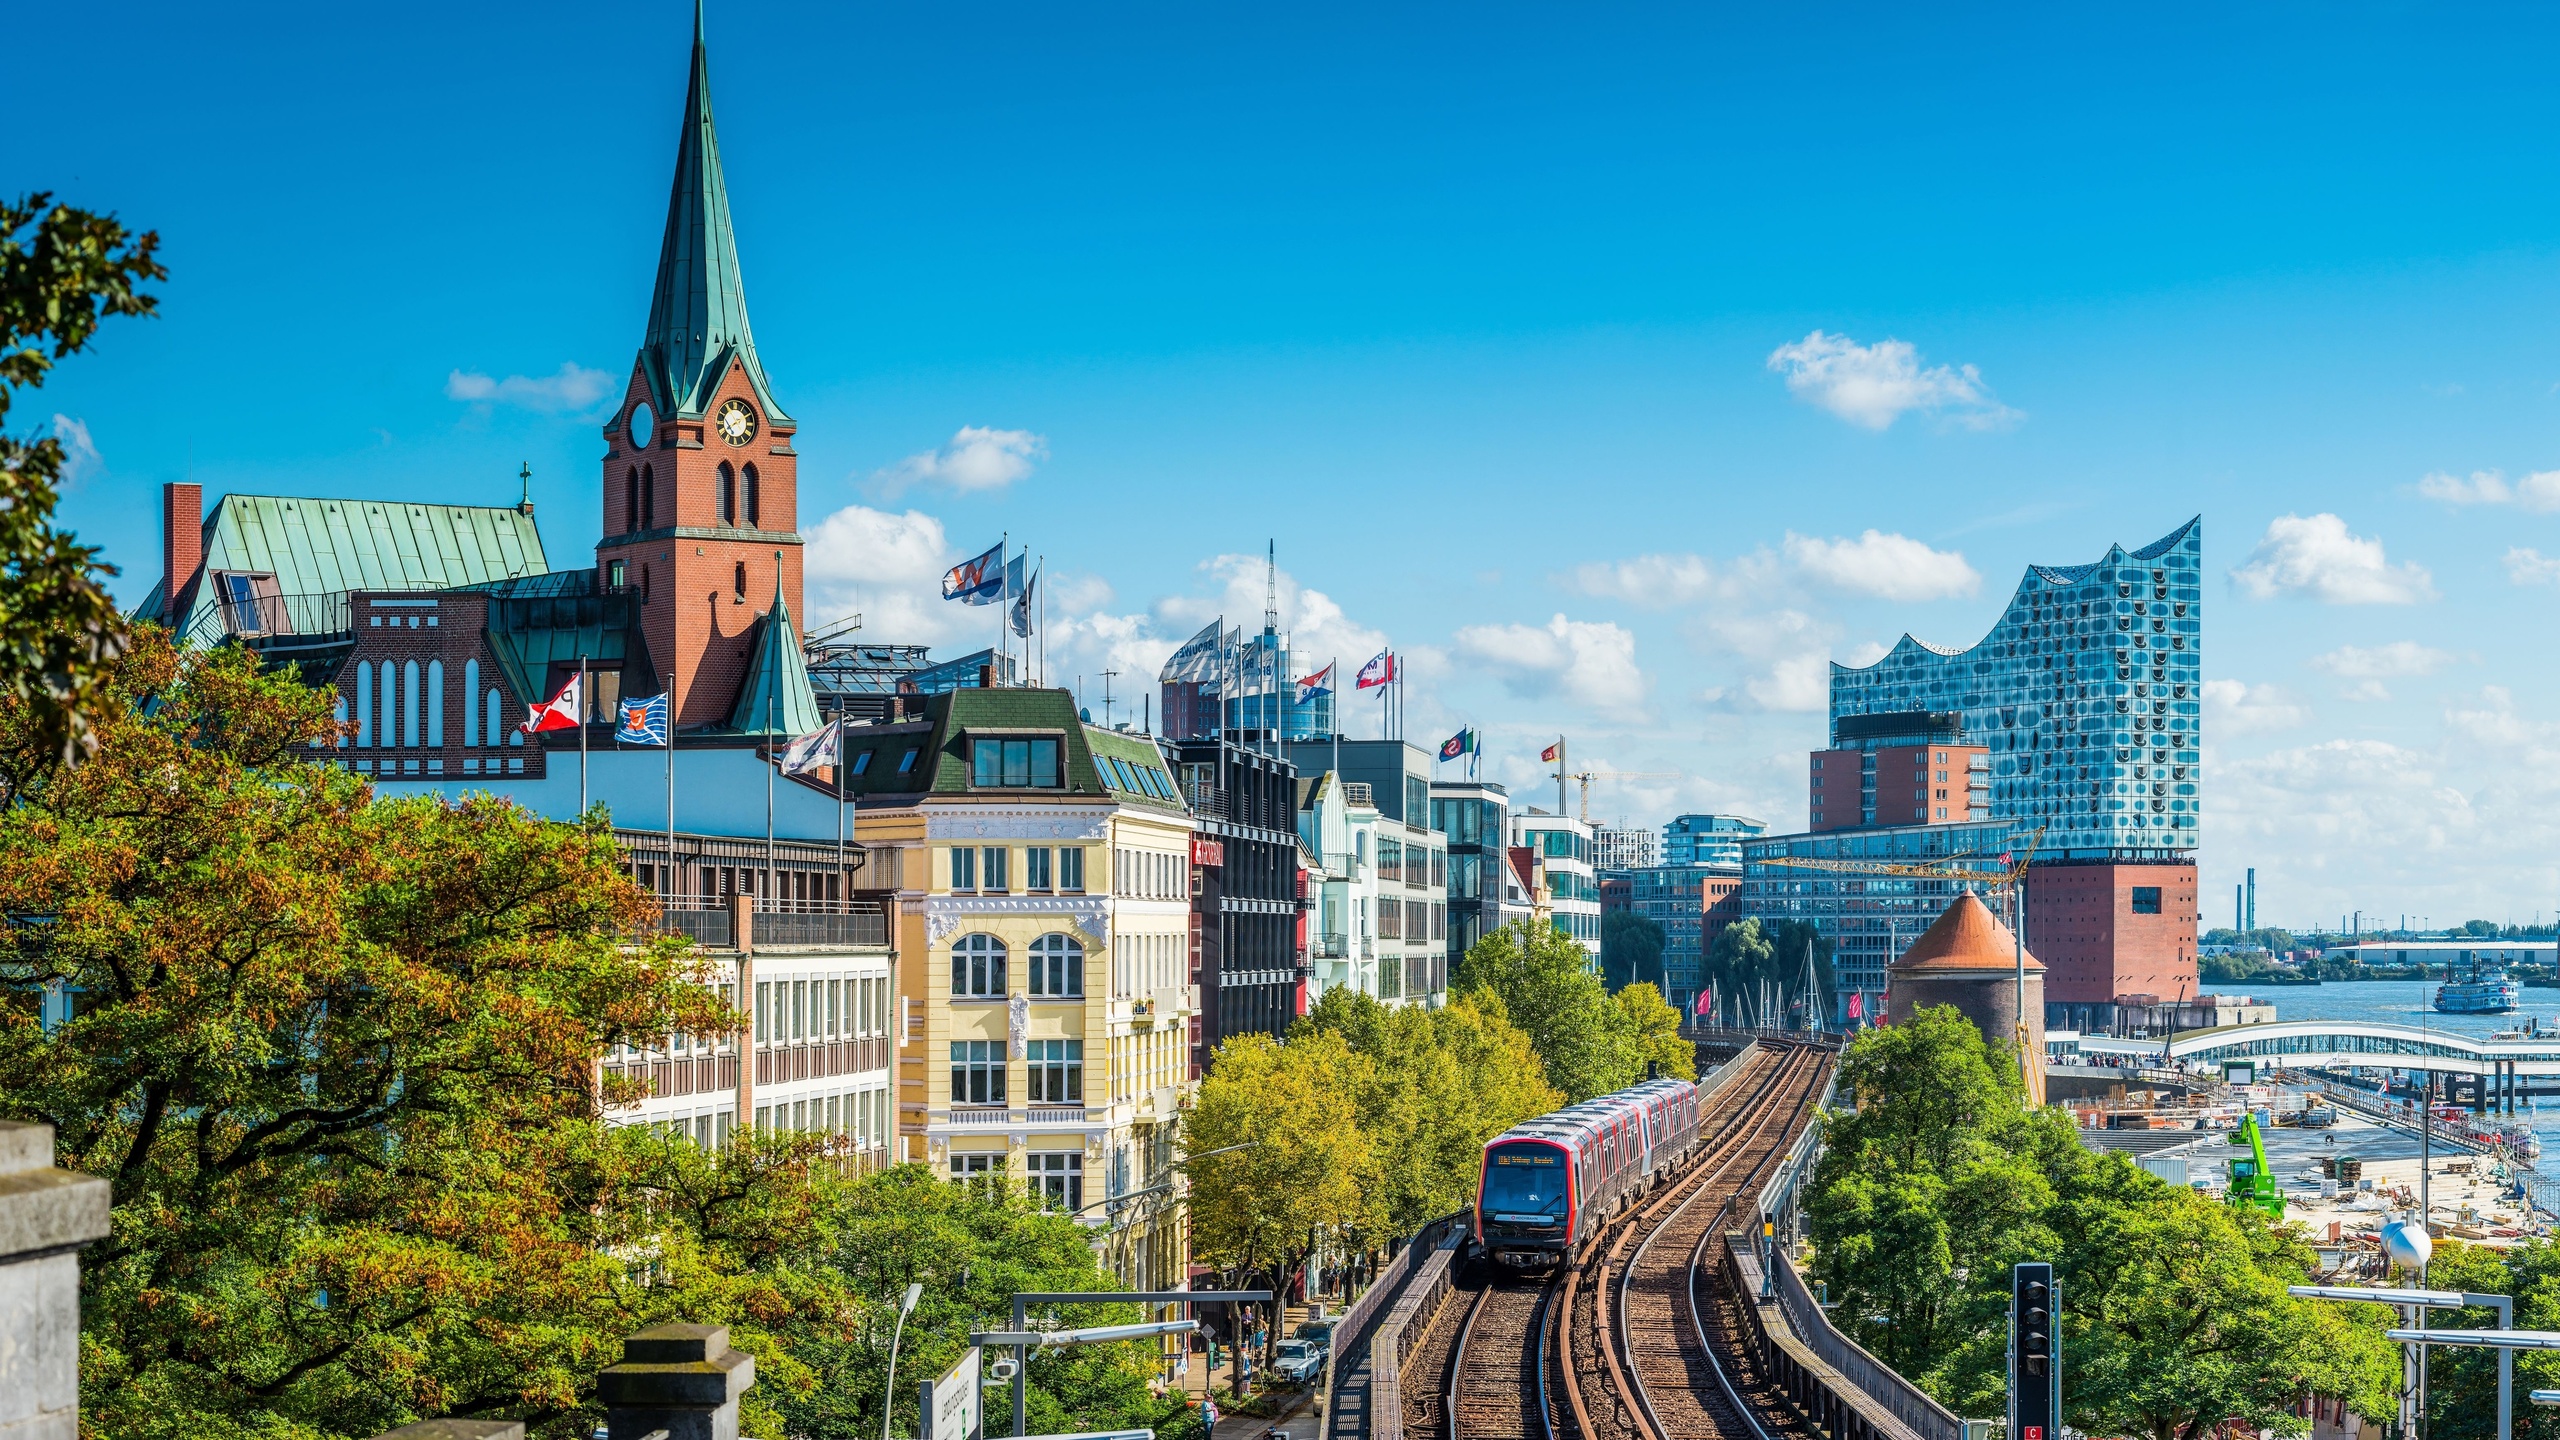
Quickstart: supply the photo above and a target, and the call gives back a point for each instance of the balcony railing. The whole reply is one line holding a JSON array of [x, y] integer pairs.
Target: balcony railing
[[1207, 801], [1331, 947], [990, 1115], [1057, 1114], [707, 923], [821, 922], [264, 619]]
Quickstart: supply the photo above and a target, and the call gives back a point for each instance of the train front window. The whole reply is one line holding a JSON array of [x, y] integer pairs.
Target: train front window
[[1525, 1181]]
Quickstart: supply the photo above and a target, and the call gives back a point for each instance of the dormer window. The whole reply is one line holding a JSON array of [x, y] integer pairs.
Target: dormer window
[[1014, 762]]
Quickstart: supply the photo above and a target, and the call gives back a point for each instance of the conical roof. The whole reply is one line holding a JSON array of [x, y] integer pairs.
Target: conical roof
[[777, 698], [698, 309], [1966, 936]]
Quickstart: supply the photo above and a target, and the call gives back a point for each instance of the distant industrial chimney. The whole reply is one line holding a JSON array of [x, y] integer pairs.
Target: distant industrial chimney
[[181, 546]]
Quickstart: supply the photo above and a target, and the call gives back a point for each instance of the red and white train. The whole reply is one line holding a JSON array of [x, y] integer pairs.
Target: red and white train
[[1547, 1186]]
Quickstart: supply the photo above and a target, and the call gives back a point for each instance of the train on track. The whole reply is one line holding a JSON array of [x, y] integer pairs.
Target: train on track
[[1548, 1185]]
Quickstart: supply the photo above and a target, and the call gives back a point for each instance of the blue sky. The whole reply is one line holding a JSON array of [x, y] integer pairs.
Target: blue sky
[[1575, 353]]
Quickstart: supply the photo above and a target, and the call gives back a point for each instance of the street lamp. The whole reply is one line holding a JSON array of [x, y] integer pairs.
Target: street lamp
[[889, 1401], [2415, 1304]]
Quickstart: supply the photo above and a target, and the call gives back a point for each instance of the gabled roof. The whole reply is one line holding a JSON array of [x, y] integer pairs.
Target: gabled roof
[[940, 742], [698, 308], [325, 547], [777, 698]]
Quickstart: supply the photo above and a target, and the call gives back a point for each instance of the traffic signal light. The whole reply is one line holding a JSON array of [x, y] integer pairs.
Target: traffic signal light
[[2035, 1355]]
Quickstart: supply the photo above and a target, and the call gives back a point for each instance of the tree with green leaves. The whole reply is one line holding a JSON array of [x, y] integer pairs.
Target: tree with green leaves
[[1543, 981], [1630, 950], [61, 271], [1652, 1030], [1759, 968]]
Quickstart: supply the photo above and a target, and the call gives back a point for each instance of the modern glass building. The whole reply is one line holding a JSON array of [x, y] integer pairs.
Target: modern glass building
[[2086, 693], [1869, 919], [1708, 839], [1471, 815]]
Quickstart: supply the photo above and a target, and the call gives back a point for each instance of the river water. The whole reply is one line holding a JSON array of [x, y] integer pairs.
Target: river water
[[2404, 1002]]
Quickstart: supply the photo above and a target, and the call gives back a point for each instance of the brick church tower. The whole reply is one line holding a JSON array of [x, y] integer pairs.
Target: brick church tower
[[701, 484]]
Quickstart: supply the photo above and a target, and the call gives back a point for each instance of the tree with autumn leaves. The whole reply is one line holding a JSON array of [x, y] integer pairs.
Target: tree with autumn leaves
[[335, 1053]]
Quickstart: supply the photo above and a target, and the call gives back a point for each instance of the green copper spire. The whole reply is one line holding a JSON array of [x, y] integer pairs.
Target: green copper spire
[[698, 312], [777, 698]]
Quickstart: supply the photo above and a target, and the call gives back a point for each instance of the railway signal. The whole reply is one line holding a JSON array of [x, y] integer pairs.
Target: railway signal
[[2035, 1355]]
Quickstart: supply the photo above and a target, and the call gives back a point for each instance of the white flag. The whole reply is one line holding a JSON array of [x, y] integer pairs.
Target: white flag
[[810, 751]]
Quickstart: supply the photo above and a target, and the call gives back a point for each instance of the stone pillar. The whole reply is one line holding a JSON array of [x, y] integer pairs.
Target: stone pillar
[[680, 1379], [46, 1215]]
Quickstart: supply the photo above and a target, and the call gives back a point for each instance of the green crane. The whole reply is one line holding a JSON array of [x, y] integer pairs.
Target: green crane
[[2251, 1185]]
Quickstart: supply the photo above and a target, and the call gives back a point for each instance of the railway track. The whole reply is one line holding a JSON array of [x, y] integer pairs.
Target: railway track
[[1598, 1353]]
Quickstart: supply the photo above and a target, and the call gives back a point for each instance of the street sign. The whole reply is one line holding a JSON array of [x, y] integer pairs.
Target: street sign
[[2035, 1353], [950, 1408]]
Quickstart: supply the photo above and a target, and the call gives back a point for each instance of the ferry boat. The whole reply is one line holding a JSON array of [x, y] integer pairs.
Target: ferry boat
[[2487, 992]]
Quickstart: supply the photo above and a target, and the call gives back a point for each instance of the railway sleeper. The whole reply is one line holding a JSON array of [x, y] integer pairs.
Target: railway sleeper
[[1821, 1396]]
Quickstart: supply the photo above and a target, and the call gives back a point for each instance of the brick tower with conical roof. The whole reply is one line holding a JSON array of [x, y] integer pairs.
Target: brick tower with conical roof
[[701, 483], [1968, 959]]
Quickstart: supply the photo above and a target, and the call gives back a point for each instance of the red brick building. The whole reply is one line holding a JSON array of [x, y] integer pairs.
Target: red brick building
[[2114, 932]]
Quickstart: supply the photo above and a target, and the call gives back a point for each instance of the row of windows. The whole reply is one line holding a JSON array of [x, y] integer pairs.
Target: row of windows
[[1412, 920], [861, 1116], [640, 497], [789, 1010], [1054, 1178], [978, 964], [1149, 875], [1417, 865], [987, 869], [1055, 1069]]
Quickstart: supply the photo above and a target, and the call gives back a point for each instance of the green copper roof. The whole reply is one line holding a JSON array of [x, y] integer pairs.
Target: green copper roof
[[940, 740], [777, 699], [532, 631], [320, 547], [698, 312]]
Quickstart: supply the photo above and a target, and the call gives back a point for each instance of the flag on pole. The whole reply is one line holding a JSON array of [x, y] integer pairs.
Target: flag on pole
[[1320, 683], [1857, 1003], [979, 581], [1463, 743], [644, 722], [560, 712], [808, 752], [1021, 590], [1706, 1002], [1552, 751], [1379, 671]]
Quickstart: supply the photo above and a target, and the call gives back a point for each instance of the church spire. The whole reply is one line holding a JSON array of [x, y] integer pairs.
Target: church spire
[[698, 311]]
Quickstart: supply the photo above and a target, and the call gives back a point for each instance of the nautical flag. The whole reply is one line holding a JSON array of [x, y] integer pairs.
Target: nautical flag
[[1706, 1002], [1462, 743], [1320, 683], [1552, 751], [644, 722], [1021, 591], [1857, 1003], [560, 712], [1199, 658], [1378, 671], [979, 581], [808, 752]]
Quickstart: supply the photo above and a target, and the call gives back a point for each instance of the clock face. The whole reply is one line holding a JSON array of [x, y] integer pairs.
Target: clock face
[[736, 422], [643, 425]]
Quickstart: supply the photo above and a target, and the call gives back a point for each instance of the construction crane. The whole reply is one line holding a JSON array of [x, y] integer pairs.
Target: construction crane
[[1587, 776], [2005, 872]]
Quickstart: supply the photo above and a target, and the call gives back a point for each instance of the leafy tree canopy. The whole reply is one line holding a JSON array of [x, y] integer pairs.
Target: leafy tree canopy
[[1758, 970], [1544, 985], [1630, 950]]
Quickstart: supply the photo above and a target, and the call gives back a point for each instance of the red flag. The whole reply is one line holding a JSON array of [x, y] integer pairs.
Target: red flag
[[560, 712], [1857, 1001], [1706, 1001], [1550, 752]]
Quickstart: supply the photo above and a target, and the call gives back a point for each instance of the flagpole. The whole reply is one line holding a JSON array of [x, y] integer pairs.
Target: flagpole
[[1335, 710], [839, 769], [671, 785], [582, 737]]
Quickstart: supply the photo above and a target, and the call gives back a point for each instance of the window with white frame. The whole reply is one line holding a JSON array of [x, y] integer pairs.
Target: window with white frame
[[1057, 1072], [1057, 1179], [1057, 967], [977, 1072], [977, 968]]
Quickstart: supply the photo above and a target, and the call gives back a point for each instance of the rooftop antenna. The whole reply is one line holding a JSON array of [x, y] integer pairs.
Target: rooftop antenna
[[1106, 697], [524, 497]]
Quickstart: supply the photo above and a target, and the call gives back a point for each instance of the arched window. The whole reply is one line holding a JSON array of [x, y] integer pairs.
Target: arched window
[[435, 704], [755, 499], [470, 703], [364, 703], [648, 497], [409, 705], [977, 967], [1057, 967], [631, 500], [728, 494], [742, 580]]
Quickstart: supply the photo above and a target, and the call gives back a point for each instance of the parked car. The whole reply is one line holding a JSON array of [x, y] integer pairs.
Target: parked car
[[1299, 1361], [1318, 1333]]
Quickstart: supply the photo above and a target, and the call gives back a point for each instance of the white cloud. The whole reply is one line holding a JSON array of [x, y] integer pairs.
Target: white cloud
[[976, 457], [80, 460], [1317, 627], [1874, 385], [1590, 663], [2315, 556], [889, 567], [1802, 683], [1762, 635], [2537, 491], [2234, 707], [1653, 581], [2382, 662], [2528, 566], [1890, 567], [574, 388]]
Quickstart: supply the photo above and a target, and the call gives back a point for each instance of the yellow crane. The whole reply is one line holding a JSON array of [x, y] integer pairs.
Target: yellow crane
[[1587, 776], [1992, 873]]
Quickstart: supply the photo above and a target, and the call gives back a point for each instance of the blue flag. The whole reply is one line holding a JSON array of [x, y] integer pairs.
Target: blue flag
[[979, 581], [644, 722]]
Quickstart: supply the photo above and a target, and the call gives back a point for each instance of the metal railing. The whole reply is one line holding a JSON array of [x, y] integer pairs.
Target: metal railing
[[1331, 946], [258, 618], [1209, 801], [707, 923], [1878, 1381], [816, 922]]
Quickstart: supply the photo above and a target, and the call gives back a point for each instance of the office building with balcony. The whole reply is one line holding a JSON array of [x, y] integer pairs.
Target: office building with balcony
[[1045, 942], [1564, 847], [1701, 839], [1245, 894], [1903, 768], [1472, 818], [1379, 913]]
